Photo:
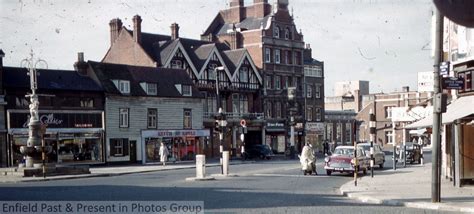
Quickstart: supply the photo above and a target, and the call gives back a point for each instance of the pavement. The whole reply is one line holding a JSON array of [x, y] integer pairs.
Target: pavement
[[105, 171], [409, 187]]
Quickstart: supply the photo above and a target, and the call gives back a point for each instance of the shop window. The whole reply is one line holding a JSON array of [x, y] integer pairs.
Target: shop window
[[152, 118], [123, 117], [119, 147], [187, 121]]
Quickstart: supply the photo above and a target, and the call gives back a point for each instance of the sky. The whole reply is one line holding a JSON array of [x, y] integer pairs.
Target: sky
[[383, 41]]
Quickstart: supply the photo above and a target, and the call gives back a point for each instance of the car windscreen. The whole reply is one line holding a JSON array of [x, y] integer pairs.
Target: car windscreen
[[344, 151]]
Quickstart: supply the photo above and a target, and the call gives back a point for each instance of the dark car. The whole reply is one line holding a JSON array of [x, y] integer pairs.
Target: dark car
[[258, 151], [413, 152]]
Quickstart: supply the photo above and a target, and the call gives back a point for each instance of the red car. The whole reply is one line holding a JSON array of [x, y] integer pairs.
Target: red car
[[342, 160]]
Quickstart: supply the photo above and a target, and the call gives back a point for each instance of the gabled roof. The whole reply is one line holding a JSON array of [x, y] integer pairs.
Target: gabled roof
[[249, 23], [232, 58], [165, 78], [49, 79]]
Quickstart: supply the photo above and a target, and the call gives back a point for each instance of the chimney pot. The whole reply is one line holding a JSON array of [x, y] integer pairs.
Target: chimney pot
[[137, 29], [174, 31]]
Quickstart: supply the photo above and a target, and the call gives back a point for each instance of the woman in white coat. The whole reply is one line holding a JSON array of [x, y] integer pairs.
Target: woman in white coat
[[163, 153]]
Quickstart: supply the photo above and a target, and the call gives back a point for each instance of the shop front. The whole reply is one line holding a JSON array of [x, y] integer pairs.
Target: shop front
[[314, 134], [76, 137], [276, 136], [181, 144]]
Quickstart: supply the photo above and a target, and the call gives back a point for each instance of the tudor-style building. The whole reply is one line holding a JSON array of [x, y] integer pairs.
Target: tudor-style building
[[239, 83], [269, 34]]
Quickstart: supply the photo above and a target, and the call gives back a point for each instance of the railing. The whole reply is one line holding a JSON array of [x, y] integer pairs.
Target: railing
[[235, 115]]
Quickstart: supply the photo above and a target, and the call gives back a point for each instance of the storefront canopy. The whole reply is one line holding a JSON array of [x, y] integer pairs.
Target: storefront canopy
[[459, 108]]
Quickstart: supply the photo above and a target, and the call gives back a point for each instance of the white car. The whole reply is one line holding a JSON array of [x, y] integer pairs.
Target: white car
[[379, 155]]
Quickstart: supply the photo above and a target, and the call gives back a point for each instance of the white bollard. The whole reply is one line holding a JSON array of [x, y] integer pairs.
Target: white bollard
[[225, 163], [200, 166]]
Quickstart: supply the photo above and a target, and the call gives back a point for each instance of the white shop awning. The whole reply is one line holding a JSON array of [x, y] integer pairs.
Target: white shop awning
[[459, 108]]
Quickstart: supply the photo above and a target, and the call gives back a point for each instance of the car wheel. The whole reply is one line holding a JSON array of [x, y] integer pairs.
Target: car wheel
[[304, 172], [364, 171], [381, 165], [262, 157], [328, 172]]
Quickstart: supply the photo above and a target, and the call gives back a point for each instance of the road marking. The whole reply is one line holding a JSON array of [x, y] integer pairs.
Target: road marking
[[294, 176]]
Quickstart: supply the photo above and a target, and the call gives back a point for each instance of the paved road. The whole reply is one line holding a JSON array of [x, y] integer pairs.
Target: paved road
[[262, 187]]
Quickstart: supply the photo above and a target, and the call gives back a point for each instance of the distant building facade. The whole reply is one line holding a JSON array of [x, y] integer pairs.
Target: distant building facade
[[314, 99]]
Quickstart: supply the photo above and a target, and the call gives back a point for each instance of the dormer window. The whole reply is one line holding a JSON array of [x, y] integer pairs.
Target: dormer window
[[151, 89], [186, 90], [124, 86], [276, 32]]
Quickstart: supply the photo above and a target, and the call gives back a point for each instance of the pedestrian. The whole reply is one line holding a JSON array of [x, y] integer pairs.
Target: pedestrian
[[242, 152], [326, 147], [163, 154]]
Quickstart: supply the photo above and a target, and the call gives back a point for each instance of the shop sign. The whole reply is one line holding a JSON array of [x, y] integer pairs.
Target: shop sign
[[404, 114], [453, 83], [270, 126], [315, 127], [58, 120], [176, 133]]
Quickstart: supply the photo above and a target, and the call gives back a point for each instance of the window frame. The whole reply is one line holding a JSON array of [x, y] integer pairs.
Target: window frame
[[277, 56], [124, 86], [151, 86], [268, 55], [152, 119], [124, 117], [186, 90], [187, 118]]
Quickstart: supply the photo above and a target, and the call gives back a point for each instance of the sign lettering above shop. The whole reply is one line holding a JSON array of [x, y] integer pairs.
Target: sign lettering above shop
[[57, 120], [176, 133], [275, 125]]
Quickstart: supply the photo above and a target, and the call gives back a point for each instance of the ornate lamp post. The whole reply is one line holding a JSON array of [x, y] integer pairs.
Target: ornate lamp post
[[34, 134]]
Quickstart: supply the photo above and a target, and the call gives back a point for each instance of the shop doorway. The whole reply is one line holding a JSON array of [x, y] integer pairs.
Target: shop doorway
[[133, 151]]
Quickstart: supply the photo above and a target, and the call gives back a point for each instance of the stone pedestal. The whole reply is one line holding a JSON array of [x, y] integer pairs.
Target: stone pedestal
[[200, 166]]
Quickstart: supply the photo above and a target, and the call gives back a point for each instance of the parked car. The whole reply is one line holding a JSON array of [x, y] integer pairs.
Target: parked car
[[379, 155], [413, 152], [342, 160], [258, 151]]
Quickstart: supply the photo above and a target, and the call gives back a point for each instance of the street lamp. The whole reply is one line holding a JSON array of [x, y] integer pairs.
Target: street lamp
[[291, 100], [34, 139]]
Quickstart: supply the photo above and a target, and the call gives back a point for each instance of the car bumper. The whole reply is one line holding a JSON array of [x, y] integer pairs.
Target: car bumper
[[339, 169]]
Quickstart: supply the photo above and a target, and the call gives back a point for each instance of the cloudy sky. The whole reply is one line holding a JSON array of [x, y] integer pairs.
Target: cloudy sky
[[384, 41]]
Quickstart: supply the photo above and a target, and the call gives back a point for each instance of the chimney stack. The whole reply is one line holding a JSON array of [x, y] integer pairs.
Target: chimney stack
[[174, 31], [115, 26], [236, 3], [405, 88], [137, 29], [80, 66]]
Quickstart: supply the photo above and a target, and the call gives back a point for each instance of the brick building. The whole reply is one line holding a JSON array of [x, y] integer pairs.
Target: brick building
[[270, 35]]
